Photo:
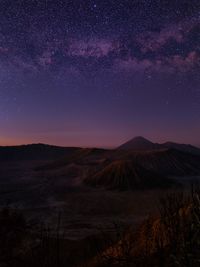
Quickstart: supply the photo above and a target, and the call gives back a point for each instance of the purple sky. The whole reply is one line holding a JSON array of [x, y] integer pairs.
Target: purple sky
[[96, 73]]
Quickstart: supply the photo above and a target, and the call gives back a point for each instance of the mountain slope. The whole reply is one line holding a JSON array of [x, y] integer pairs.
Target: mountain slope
[[126, 175], [168, 162], [80, 156], [182, 147], [139, 143]]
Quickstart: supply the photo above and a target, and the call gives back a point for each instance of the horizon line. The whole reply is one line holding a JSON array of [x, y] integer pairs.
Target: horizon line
[[89, 146]]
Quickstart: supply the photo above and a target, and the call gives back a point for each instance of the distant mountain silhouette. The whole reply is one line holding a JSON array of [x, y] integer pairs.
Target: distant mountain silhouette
[[71, 154], [136, 164], [182, 147], [139, 143], [34, 152], [127, 175]]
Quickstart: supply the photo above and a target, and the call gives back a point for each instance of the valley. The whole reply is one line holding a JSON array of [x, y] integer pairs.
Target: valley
[[92, 188]]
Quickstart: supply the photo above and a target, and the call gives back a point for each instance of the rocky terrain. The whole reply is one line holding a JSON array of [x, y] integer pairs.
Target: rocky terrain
[[91, 187]]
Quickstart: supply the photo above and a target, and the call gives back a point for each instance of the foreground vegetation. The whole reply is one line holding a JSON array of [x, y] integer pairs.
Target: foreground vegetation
[[170, 239]]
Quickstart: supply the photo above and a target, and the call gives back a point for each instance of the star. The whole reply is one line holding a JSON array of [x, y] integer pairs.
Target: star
[[99, 65]]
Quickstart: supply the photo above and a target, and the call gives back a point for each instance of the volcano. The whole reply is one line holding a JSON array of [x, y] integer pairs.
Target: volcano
[[139, 143], [127, 175]]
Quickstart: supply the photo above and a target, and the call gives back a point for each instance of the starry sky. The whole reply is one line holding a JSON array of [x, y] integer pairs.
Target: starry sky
[[97, 72]]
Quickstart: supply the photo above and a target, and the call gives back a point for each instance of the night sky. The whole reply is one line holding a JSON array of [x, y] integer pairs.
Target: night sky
[[97, 72]]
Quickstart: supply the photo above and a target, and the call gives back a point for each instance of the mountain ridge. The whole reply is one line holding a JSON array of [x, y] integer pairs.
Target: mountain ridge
[[46, 151], [140, 143], [127, 175]]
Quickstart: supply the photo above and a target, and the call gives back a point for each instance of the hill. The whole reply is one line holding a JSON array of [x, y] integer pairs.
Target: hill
[[182, 147], [127, 175], [168, 162], [80, 156], [139, 143], [34, 152], [144, 169]]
